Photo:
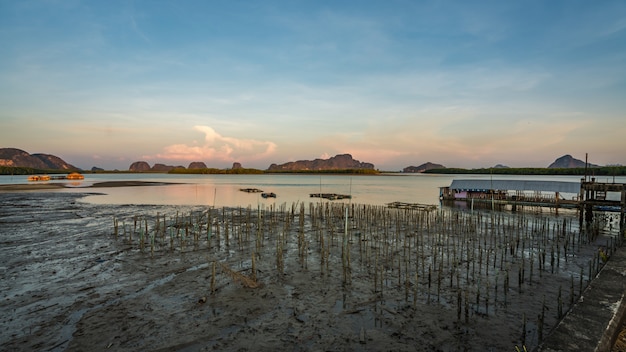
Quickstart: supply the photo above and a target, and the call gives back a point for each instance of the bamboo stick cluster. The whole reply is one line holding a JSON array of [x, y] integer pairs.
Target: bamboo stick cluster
[[479, 262]]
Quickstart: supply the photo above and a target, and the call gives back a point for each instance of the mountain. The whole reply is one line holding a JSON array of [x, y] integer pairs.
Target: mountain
[[13, 157], [423, 167], [197, 165], [139, 166], [337, 162], [567, 161], [142, 166]]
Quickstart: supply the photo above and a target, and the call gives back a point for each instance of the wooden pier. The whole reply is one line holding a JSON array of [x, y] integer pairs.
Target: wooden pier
[[601, 196], [586, 196]]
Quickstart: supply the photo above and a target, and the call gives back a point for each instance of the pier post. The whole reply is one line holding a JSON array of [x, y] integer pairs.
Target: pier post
[[622, 220], [556, 203], [581, 202], [588, 213]]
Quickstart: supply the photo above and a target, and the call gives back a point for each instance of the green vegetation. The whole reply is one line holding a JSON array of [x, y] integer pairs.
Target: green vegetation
[[119, 172], [340, 172], [244, 171], [593, 171], [7, 170], [213, 171], [10, 170]]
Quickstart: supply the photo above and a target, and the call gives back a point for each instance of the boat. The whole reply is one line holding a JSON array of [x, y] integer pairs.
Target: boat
[[251, 190], [39, 178], [75, 176], [268, 195]]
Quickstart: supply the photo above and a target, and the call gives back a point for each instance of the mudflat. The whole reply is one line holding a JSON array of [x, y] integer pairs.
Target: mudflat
[[37, 186], [30, 187], [78, 276]]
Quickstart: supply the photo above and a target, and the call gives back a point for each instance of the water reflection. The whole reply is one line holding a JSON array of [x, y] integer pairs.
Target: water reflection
[[223, 190]]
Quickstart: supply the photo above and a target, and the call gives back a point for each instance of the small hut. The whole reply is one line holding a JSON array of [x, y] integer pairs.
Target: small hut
[[75, 176]]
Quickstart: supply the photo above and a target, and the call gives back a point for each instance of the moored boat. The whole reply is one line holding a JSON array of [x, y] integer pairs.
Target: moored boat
[[75, 176], [39, 178]]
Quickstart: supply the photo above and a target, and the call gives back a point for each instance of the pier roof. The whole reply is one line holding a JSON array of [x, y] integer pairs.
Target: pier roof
[[516, 185]]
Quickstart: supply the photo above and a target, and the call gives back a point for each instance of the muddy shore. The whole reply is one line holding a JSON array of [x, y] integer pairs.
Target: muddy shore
[[70, 281], [57, 185]]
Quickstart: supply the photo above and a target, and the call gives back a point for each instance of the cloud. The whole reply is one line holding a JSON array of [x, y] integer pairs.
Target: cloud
[[217, 147]]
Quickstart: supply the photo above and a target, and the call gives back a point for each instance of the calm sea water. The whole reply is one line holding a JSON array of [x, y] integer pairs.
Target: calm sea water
[[223, 190]]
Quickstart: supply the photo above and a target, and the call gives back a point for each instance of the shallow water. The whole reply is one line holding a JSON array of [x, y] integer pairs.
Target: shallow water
[[223, 190]]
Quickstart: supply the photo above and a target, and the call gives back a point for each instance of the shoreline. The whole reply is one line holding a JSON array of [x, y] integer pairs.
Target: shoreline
[[54, 186], [135, 287]]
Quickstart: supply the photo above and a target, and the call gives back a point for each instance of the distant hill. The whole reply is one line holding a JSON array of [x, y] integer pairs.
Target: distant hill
[[423, 167], [567, 161], [500, 166], [13, 157], [197, 165], [162, 167], [139, 166], [142, 166], [337, 162]]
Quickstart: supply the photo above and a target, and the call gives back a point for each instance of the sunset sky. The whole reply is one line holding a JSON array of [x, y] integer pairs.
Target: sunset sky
[[394, 83]]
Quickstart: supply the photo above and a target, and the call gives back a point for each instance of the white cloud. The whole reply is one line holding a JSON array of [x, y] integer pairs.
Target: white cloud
[[217, 147]]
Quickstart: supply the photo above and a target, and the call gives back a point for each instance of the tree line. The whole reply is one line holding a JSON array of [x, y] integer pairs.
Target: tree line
[[257, 171], [578, 171], [593, 171]]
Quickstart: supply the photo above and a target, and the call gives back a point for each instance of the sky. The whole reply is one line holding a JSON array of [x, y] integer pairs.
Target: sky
[[466, 84]]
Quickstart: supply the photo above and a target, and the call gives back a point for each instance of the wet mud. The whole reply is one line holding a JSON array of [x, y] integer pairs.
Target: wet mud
[[78, 276]]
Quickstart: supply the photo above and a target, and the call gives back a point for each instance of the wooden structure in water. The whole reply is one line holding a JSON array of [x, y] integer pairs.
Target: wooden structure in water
[[330, 196], [74, 176], [412, 206], [251, 190], [601, 196], [555, 194], [586, 196]]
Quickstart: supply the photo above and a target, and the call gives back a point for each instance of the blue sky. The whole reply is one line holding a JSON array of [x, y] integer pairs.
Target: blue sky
[[394, 83]]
